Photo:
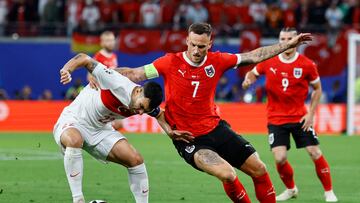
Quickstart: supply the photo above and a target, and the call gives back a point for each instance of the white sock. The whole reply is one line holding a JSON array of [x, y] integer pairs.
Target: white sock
[[139, 183], [73, 162]]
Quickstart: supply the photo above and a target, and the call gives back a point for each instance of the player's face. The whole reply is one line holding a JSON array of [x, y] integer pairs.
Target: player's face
[[285, 37], [108, 42], [197, 46], [139, 104]]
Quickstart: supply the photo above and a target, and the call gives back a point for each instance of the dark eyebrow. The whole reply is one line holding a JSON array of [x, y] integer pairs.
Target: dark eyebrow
[[200, 46]]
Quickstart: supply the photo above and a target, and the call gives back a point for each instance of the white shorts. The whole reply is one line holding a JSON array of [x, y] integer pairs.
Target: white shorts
[[98, 143]]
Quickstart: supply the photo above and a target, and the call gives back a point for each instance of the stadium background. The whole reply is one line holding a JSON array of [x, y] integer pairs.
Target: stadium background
[[34, 45]]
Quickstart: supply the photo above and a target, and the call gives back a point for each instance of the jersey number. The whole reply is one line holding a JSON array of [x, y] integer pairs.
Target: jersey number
[[285, 83], [107, 119], [196, 83]]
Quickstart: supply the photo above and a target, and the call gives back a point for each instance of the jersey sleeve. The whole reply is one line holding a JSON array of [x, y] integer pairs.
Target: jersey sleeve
[[110, 79], [162, 64], [313, 76], [229, 60], [259, 69]]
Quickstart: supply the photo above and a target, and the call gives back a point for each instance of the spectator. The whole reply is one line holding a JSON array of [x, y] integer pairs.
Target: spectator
[[333, 16], [129, 10], [274, 16], [108, 12], [316, 14], [50, 17], [74, 90], [3, 13], [302, 13], [289, 16], [180, 16], [168, 9], [73, 9], [3, 95], [90, 16], [223, 90], [258, 11], [25, 93], [150, 14], [46, 95], [196, 13]]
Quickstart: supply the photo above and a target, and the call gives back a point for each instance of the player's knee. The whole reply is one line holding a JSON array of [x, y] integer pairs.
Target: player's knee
[[135, 159], [259, 169], [227, 175], [72, 140], [280, 158], [315, 153]]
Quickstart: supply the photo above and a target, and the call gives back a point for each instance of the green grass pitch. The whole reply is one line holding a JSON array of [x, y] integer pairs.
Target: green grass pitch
[[31, 170]]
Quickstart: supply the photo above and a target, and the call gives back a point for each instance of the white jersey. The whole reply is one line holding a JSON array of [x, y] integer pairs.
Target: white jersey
[[94, 109]]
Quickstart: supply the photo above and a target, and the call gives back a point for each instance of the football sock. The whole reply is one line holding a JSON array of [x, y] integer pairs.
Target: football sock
[[323, 172], [73, 163], [264, 189], [139, 183], [236, 191], [286, 174]]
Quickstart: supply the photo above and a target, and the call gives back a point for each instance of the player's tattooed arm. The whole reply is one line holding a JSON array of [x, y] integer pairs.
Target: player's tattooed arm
[[266, 52], [134, 74], [78, 61]]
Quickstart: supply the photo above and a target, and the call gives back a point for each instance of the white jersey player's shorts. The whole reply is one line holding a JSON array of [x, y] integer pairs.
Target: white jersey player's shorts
[[97, 142]]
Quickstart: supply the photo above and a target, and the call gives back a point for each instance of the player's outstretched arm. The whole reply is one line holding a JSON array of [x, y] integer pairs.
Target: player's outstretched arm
[[134, 74], [250, 78], [263, 53], [180, 135], [78, 61]]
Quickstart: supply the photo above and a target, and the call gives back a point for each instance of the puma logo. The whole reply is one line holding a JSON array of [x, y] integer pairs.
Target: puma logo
[[145, 191], [182, 73], [241, 195], [74, 175], [273, 70]]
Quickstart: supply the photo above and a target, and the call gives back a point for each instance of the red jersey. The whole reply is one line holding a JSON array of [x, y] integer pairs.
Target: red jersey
[[287, 86], [190, 89], [110, 62]]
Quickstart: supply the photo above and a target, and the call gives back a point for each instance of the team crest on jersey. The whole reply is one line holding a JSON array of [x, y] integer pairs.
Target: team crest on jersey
[[210, 71], [297, 72], [190, 148]]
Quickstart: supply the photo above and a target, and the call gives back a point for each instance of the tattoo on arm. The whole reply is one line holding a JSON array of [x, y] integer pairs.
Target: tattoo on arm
[[91, 66], [208, 157], [263, 53]]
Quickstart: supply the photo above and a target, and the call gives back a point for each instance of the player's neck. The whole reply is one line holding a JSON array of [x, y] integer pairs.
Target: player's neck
[[288, 56], [105, 52]]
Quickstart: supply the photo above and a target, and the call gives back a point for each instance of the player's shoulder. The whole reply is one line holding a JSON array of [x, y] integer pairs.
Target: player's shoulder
[[305, 60]]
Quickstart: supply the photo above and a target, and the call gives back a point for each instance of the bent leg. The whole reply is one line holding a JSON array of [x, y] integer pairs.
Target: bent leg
[[125, 154], [283, 167], [264, 188], [211, 163], [73, 162]]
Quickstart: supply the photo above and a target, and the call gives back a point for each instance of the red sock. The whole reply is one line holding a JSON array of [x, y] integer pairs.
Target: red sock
[[236, 192], [323, 172], [286, 174], [264, 189]]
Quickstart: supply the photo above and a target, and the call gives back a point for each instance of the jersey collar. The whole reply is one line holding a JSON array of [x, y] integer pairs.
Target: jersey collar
[[192, 63], [282, 59]]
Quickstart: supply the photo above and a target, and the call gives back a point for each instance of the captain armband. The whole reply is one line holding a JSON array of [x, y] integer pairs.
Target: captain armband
[[155, 112], [150, 71]]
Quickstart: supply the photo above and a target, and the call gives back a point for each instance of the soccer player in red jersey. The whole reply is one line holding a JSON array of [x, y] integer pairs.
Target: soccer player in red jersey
[[107, 57], [288, 76], [190, 79]]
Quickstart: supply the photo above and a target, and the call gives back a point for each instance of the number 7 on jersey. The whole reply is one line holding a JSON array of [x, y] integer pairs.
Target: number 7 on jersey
[[196, 84]]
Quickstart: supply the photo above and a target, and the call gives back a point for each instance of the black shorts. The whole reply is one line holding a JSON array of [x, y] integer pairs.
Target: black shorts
[[222, 140], [279, 135]]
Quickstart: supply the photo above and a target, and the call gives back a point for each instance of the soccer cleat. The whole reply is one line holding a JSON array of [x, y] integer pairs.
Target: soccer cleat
[[288, 194], [330, 196]]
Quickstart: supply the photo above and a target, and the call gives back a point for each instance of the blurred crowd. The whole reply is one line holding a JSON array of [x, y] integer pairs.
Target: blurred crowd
[[62, 17]]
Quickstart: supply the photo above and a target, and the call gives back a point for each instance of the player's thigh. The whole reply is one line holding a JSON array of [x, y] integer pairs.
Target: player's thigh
[[125, 154], [279, 135], [212, 163], [303, 138], [67, 133], [253, 166]]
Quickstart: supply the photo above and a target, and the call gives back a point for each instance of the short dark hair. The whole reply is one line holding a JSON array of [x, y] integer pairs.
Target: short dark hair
[[200, 28], [153, 91], [289, 29]]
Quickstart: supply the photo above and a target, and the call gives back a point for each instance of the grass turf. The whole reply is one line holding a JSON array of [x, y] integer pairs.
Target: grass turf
[[31, 170]]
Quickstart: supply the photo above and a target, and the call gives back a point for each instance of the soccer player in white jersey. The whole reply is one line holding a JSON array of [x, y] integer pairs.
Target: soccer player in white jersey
[[86, 124]]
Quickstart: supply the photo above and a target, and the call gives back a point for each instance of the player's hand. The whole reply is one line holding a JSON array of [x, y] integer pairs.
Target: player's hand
[[65, 76], [93, 82], [181, 135], [301, 38], [307, 121], [246, 83]]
